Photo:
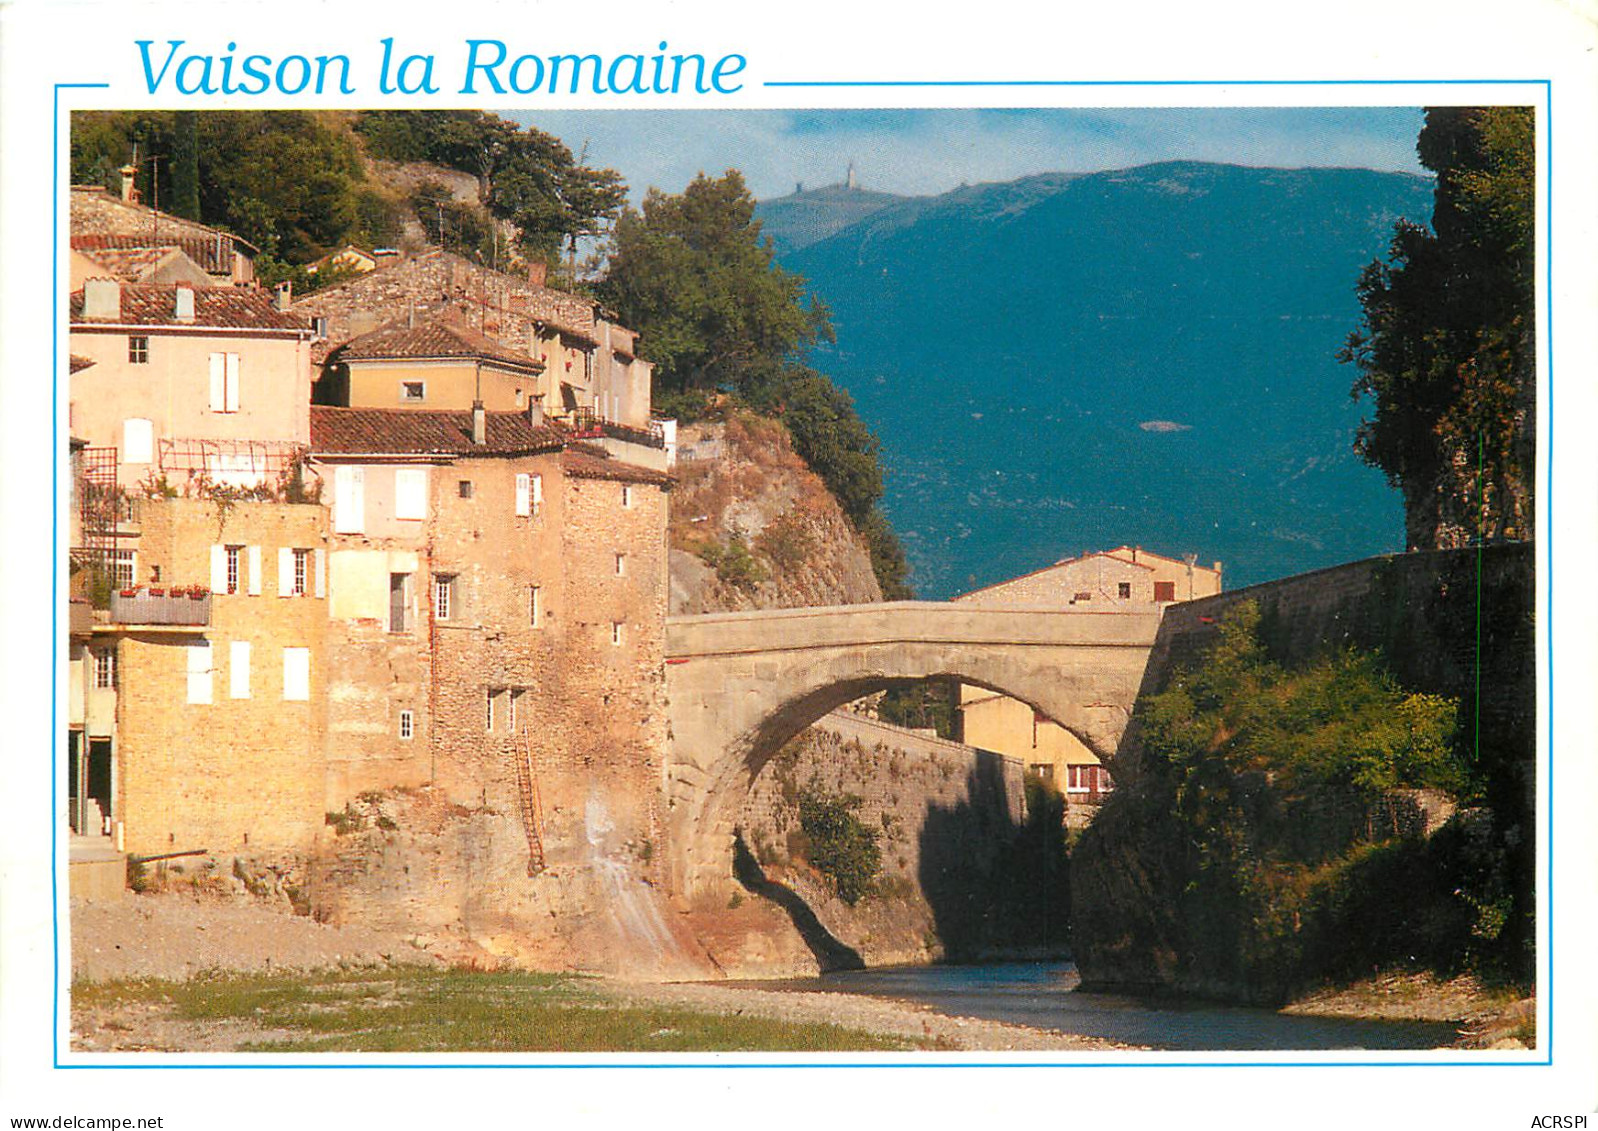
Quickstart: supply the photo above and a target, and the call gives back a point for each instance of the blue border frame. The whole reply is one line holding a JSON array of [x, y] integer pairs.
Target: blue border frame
[[1141, 1061]]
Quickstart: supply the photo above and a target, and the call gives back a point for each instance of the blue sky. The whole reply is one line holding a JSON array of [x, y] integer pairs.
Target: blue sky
[[916, 152]]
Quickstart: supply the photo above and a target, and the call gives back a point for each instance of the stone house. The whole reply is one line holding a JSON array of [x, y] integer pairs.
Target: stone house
[[443, 364], [591, 367], [102, 220], [497, 620], [196, 702], [1127, 578], [189, 382]]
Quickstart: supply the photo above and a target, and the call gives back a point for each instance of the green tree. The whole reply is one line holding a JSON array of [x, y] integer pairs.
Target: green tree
[[186, 167], [691, 273], [716, 313], [1447, 349]]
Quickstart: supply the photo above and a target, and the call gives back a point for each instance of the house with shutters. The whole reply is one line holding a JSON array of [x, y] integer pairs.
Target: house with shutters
[[188, 383], [1125, 579], [197, 698], [496, 613]]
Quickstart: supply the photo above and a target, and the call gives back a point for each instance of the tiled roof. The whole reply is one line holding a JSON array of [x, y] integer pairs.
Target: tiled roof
[[75, 362], [401, 431], [582, 465], [129, 262], [439, 338], [95, 210], [154, 304]]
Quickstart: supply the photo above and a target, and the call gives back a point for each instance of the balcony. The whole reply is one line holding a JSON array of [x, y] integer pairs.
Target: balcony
[[587, 425], [173, 605]]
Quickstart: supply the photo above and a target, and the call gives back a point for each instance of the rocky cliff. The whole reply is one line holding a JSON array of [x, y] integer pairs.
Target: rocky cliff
[[752, 527]]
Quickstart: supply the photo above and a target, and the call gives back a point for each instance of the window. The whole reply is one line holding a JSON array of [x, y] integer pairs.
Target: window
[[297, 674], [138, 441], [123, 568], [1084, 595], [138, 349], [626, 495], [105, 668], [534, 611], [407, 725], [302, 562], [1165, 590], [232, 558], [529, 494], [621, 565], [239, 669], [1124, 590], [488, 718], [319, 327], [224, 382], [443, 596], [413, 391], [615, 632], [199, 670], [410, 492], [465, 488], [399, 600]]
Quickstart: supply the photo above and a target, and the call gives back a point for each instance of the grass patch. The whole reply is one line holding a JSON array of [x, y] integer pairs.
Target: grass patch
[[421, 1010]]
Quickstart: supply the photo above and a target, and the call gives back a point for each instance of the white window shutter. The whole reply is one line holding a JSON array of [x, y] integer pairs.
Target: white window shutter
[[524, 492], [218, 382], [285, 572], [538, 492], [321, 572], [349, 500], [199, 661], [255, 571], [410, 492], [239, 669], [231, 402], [297, 673], [219, 569]]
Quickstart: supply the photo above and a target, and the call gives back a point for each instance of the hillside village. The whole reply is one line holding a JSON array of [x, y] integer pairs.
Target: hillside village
[[408, 533]]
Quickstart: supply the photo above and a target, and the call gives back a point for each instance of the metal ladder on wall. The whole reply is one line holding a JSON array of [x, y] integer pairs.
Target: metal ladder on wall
[[532, 807]]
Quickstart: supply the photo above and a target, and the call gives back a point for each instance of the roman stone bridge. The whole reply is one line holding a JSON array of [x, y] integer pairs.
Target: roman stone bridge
[[740, 685]]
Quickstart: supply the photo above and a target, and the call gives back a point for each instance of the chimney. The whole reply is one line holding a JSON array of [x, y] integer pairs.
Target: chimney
[[537, 272], [183, 306], [479, 424], [129, 172], [535, 409], [284, 295], [102, 299]]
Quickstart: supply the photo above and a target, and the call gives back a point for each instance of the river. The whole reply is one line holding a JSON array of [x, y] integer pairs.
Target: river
[[1044, 995]]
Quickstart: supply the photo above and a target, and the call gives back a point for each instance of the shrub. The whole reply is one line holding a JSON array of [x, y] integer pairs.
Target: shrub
[[787, 542], [841, 846], [733, 562]]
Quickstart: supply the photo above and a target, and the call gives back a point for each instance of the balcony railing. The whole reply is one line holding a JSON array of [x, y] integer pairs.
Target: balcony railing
[[586, 424], [157, 605]]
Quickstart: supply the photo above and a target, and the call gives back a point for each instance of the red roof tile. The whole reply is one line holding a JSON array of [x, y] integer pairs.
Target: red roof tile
[[582, 465], [155, 304], [401, 431], [433, 339]]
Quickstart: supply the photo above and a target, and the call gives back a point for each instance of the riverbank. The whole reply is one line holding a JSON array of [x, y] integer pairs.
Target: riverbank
[[1491, 1017], [174, 973]]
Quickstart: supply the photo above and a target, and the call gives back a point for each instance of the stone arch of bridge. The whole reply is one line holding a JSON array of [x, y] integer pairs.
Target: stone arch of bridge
[[755, 719]]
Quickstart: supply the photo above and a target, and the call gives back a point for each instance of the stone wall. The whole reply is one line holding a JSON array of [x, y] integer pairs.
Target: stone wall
[[233, 774], [951, 826]]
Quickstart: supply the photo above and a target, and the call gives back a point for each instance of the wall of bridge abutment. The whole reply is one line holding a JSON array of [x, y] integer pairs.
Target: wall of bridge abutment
[[740, 685]]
